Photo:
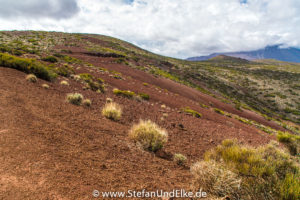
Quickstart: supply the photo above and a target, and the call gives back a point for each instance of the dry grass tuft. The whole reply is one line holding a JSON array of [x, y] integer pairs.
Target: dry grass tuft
[[243, 172], [149, 135], [179, 159], [112, 111], [87, 102], [31, 78], [46, 86], [214, 179], [109, 100], [75, 98], [64, 83]]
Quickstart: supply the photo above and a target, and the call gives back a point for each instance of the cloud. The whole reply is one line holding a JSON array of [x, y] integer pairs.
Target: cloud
[[57, 9], [177, 28]]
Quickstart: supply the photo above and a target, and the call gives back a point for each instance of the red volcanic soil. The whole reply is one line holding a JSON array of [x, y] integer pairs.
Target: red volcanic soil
[[51, 149]]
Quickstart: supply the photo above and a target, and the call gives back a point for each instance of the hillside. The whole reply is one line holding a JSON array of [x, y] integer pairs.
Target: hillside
[[270, 52], [52, 149]]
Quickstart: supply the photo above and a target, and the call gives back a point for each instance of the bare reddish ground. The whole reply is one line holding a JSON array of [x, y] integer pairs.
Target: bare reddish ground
[[51, 149]]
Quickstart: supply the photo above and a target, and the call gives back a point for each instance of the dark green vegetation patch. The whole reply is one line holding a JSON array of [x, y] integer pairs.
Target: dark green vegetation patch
[[27, 65]]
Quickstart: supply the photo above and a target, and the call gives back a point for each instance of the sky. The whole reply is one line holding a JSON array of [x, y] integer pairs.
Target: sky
[[176, 28]]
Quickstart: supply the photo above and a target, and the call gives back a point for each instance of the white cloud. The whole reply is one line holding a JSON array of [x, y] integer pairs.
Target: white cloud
[[182, 28], [56, 9]]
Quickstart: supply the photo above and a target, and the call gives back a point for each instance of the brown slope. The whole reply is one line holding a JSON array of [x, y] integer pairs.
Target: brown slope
[[53, 150], [182, 90]]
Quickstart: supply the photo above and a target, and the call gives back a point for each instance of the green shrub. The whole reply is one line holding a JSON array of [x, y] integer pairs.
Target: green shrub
[[265, 172], [66, 51], [269, 95], [194, 113], [112, 111], [203, 105], [75, 98], [70, 60], [179, 158], [32, 78], [91, 84], [31, 40], [289, 110], [149, 135], [124, 93], [86, 76], [100, 80], [27, 65], [58, 55], [219, 111], [144, 96], [290, 188], [65, 70], [291, 141], [238, 105], [51, 59], [95, 86], [116, 76]]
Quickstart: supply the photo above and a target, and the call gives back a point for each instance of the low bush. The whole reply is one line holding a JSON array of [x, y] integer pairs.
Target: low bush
[[71, 60], [32, 78], [215, 179], [109, 100], [116, 76], [46, 86], [194, 113], [291, 141], [112, 111], [144, 96], [203, 105], [266, 172], [64, 83], [66, 51], [86, 77], [87, 102], [75, 98], [289, 110], [219, 111], [238, 105], [27, 65], [95, 85], [65, 70], [51, 59], [124, 93], [149, 135], [75, 77], [58, 55], [179, 158], [100, 80]]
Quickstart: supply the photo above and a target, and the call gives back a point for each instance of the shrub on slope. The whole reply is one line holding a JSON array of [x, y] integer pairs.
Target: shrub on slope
[[149, 135], [266, 172], [27, 65]]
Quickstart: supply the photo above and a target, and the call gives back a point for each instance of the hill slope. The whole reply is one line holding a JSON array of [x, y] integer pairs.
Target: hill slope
[[53, 149]]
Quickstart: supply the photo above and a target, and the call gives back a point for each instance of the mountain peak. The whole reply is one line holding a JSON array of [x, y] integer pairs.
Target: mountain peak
[[289, 54]]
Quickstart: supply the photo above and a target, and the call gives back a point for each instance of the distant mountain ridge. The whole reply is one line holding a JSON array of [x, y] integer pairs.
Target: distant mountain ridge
[[270, 52]]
